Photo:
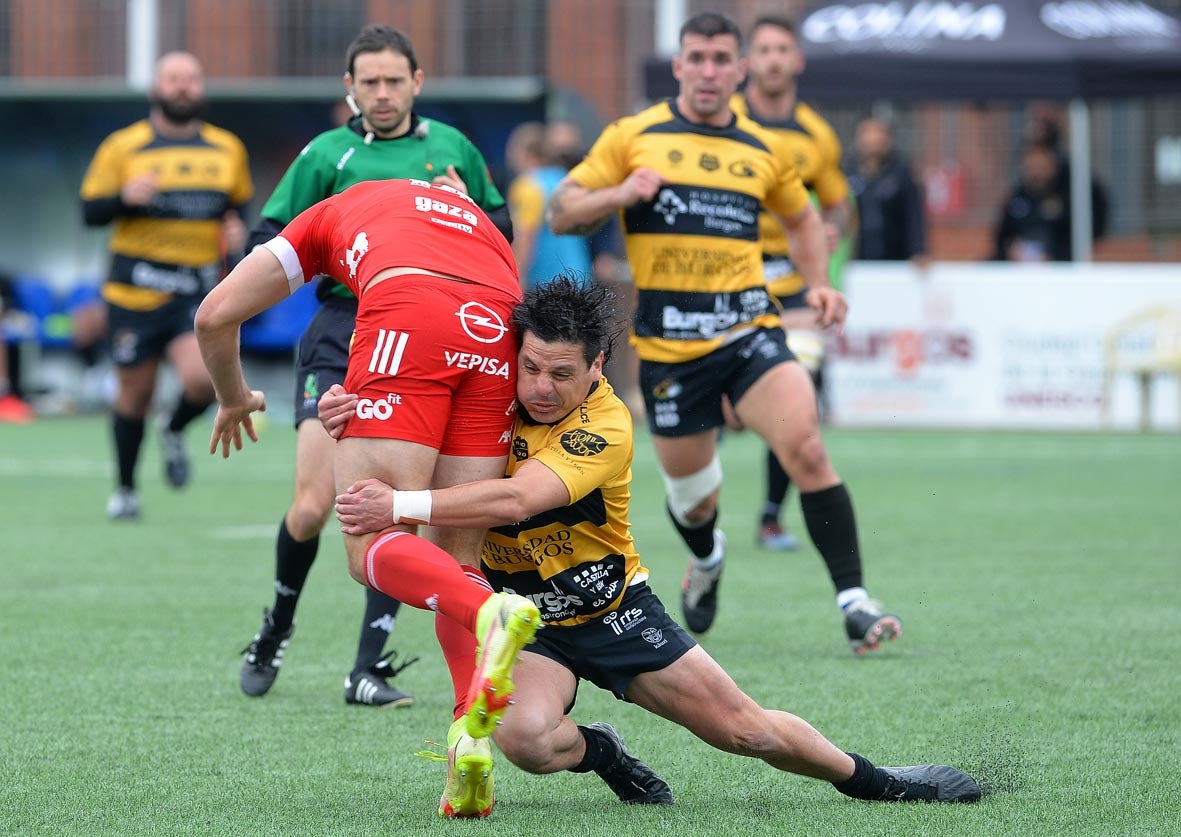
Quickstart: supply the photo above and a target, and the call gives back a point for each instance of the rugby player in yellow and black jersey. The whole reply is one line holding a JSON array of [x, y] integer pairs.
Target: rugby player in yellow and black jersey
[[689, 177], [573, 554], [774, 64], [174, 187]]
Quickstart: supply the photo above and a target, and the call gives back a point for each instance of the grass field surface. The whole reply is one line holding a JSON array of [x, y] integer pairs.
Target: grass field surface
[[1036, 575]]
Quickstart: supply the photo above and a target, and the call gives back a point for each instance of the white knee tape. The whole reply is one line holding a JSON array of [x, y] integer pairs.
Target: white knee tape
[[808, 347], [686, 493]]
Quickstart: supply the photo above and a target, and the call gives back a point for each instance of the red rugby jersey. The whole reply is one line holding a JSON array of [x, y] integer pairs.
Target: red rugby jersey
[[381, 224]]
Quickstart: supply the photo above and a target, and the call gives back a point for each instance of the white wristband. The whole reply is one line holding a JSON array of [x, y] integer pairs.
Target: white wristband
[[412, 507]]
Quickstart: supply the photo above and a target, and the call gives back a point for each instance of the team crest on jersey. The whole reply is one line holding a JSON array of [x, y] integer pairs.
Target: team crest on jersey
[[520, 449], [582, 443], [709, 162]]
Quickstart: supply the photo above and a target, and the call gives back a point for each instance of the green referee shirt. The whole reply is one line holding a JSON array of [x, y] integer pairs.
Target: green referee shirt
[[340, 158]]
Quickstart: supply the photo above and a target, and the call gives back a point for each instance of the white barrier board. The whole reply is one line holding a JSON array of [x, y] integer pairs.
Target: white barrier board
[[994, 345]]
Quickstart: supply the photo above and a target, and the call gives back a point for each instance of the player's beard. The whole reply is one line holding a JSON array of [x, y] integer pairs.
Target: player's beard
[[180, 112]]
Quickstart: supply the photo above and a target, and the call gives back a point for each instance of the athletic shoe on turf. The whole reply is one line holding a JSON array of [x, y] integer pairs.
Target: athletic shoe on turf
[[371, 687], [868, 627], [929, 783], [123, 505], [15, 411], [699, 588], [264, 656], [774, 538], [634, 782], [505, 624], [468, 792], [176, 457]]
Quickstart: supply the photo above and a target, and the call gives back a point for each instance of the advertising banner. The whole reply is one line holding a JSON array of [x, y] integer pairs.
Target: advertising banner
[[1008, 346]]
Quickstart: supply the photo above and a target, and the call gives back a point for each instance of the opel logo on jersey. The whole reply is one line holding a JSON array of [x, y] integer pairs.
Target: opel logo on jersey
[[582, 443], [481, 323]]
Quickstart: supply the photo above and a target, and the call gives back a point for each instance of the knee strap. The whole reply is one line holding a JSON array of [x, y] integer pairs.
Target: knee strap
[[686, 493]]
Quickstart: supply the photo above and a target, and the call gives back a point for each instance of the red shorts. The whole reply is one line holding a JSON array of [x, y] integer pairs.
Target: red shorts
[[434, 361]]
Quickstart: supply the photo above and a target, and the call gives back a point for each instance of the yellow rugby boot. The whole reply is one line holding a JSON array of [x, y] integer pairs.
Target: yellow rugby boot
[[468, 792]]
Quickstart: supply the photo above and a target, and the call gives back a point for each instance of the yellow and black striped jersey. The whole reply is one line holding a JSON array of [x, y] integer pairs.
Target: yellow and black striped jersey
[[694, 249], [576, 561], [816, 153], [197, 181]]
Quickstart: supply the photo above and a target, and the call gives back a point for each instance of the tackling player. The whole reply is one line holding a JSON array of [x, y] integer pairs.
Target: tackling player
[[561, 537]]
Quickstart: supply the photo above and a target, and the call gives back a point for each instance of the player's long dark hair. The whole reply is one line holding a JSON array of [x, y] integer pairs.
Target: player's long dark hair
[[570, 309]]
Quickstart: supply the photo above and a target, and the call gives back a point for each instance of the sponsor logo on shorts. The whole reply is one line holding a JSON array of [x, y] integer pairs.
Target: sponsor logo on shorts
[[668, 388], [666, 414], [387, 354], [481, 323], [124, 345], [493, 366], [380, 409], [655, 636], [311, 389], [621, 621], [582, 443]]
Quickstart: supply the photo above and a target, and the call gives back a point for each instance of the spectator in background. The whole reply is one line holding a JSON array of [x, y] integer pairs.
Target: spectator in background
[[1043, 128], [892, 225], [540, 254], [540, 156], [1034, 225], [173, 186]]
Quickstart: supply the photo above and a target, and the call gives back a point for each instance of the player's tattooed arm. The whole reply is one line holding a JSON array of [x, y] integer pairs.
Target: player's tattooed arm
[[576, 210]]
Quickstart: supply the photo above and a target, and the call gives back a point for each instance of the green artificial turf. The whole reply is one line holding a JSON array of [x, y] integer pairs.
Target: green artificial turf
[[1036, 576]]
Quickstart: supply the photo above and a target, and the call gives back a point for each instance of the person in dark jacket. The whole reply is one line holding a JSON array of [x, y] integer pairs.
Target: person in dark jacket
[[892, 225]]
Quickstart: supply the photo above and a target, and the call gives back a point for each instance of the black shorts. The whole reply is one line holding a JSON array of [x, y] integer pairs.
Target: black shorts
[[139, 336], [686, 398], [323, 356], [636, 637]]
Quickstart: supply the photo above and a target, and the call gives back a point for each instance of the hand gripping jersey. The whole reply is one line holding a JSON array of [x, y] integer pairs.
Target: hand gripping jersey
[[816, 153], [395, 223], [694, 250], [574, 562]]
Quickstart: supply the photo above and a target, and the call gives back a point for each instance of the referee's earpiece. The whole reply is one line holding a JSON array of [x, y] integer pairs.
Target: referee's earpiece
[[352, 103]]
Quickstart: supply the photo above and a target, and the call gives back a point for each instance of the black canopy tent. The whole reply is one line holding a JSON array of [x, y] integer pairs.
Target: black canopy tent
[[916, 50]]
